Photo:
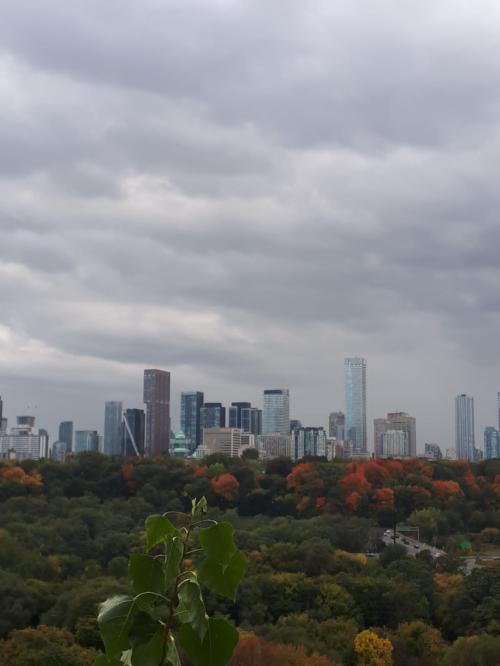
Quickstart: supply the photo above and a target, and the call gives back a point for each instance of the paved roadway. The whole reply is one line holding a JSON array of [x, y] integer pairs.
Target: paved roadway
[[412, 546]]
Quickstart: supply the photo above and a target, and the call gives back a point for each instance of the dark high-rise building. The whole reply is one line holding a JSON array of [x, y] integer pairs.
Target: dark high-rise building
[[295, 424], [213, 415], [235, 413], [191, 404], [157, 400], [66, 434], [251, 420], [336, 425], [26, 421], [113, 414], [133, 429]]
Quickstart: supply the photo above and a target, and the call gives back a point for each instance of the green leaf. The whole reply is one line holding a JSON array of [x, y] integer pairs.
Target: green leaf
[[191, 608], [172, 654], [173, 554], [158, 529], [223, 578], [147, 575], [143, 628], [102, 660], [216, 648], [199, 507], [217, 542], [150, 653], [115, 620]]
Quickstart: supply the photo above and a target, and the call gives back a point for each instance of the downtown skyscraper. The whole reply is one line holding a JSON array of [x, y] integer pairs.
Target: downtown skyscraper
[[276, 411], [113, 414], [157, 401], [464, 427], [191, 404], [355, 401]]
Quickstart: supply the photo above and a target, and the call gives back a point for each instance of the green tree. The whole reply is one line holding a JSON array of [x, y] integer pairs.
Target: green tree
[[47, 646]]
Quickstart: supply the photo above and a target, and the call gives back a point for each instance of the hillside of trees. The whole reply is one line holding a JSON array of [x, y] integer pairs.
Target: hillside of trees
[[321, 587]]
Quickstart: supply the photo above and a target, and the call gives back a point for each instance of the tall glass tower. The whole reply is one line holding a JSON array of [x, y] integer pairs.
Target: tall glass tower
[[355, 401], [191, 404], [276, 412], [112, 428], [464, 427]]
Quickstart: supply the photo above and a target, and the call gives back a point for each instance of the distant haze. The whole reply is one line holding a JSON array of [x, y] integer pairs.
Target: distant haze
[[245, 192]]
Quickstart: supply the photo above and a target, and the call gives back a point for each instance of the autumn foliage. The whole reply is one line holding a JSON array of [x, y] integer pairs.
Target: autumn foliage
[[18, 475], [227, 486], [255, 651], [372, 650]]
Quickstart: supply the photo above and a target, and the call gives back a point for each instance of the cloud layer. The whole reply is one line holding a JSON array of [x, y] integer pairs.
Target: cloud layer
[[244, 192]]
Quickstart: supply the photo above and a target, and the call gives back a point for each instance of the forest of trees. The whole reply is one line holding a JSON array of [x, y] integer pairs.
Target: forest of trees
[[321, 587]]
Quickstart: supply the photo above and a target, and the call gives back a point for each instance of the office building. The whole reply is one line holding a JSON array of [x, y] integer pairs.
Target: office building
[[191, 404], [309, 442], [464, 427], [433, 451], [59, 451], [113, 436], [157, 401], [336, 425], [24, 442], [213, 415], [86, 440], [491, 443], [229, 441], [3, 426], [394, 444], [234, 416], [180, 446], [66, 433], [355, 399], [276, 412], [133, 432], [275, 446], [251, 420], [1, 409], [295, 424], [396, 421]]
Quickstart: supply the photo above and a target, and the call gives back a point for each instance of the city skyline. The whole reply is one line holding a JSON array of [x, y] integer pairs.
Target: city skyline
[[397, 418]]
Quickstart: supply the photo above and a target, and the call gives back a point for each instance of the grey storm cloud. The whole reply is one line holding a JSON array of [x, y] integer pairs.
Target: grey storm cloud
[[245, 192]]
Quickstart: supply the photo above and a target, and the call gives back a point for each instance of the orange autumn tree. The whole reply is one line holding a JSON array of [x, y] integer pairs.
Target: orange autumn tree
[[447, 490], [226, 486], [255, 651], [17, 474], [308, 486]]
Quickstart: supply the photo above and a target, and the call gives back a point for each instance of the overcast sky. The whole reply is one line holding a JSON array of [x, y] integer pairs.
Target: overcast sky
[[245, 192]]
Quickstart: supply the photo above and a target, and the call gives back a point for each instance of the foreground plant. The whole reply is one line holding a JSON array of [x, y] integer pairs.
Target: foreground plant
[[166, 610]]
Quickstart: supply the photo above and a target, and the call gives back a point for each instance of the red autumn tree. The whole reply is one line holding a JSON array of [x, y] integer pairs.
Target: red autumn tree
[[254, 651], [226, 486], [355, 482], [352, 501], [384, 499], [128, 477]]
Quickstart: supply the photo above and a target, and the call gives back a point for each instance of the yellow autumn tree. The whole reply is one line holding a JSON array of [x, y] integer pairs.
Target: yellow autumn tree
[[372, 650]]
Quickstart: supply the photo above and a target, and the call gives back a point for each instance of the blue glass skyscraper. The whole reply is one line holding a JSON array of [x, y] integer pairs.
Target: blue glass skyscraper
[[355, 401]]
